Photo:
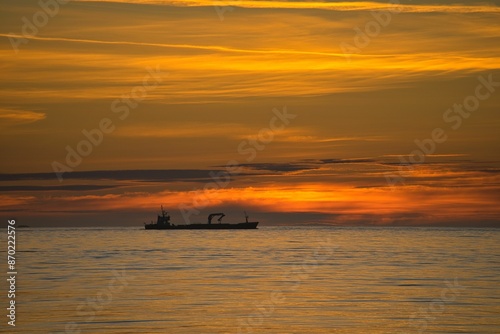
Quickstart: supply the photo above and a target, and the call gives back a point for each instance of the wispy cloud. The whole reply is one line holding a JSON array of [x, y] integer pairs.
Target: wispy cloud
[[166, 175], [216, 48], [14, 116], [76, 187], [184, 130], [319, 139], [335, 6]]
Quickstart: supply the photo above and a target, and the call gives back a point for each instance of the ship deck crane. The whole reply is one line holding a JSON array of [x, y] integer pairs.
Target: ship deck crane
[[212, 215]]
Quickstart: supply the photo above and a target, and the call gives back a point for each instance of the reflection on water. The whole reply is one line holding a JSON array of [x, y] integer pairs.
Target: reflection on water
[[270, 280]]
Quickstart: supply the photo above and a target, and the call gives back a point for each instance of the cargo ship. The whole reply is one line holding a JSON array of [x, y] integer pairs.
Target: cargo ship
[[163, 223]]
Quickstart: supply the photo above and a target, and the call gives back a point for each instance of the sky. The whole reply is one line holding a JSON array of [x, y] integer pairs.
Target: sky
[[298, 112]]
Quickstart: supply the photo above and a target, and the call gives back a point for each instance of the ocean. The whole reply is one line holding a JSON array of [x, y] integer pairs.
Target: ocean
[[269, 280]]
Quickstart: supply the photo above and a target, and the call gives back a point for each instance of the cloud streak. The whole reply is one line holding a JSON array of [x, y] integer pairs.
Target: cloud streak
[[215, 48], [13, 116], [76, 187], [346, 6], [168, 175], [327, 188]]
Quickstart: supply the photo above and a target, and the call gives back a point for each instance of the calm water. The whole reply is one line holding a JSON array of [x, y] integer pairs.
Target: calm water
[[271, 280]]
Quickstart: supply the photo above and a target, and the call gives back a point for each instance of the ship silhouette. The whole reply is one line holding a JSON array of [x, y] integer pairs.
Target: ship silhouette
[[163, 223]]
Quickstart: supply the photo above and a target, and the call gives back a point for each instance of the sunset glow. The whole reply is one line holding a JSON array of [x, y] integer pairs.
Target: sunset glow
[[352, 112]]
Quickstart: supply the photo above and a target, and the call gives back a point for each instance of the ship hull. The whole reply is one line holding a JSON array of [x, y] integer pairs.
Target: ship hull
[[240, 226]]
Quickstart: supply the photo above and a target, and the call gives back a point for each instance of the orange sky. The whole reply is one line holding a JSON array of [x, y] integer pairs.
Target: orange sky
[[320, 104]]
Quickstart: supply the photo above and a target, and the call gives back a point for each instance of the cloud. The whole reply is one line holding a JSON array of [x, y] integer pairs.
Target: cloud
[[13, 116], [333, 6], [215, 48], [303, 165], [166, 175], [279, 167], [183, 130], [393, 90], [298, 55], [442, 155], [339, 191], [13, 202], [75, 187], [320, 139], [347, 161]]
